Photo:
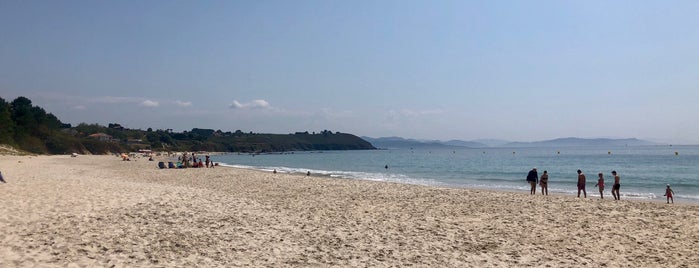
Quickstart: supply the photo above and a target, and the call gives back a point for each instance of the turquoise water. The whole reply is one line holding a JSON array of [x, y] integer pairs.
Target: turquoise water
[[644, 170]]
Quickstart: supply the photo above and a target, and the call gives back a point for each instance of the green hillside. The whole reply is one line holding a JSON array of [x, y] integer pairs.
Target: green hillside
[[30, 128]]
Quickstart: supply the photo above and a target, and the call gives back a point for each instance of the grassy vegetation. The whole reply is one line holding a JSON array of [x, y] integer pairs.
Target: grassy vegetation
[[31, 129]]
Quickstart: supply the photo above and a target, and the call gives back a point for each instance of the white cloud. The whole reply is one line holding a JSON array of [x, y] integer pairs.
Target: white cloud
[[111, 99], [254, 104], [333, 114], [183, 103], [407, 115], [411, 113], [150, 103], [83, 102]]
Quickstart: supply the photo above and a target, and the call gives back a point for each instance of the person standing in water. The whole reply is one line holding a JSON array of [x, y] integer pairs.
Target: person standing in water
[[617, 185], [544, 182], [532, 178], [669, 193], [581, 183], [600, 185]]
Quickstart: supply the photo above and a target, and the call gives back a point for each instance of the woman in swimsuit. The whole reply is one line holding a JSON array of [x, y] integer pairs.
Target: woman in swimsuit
[[544, 182]]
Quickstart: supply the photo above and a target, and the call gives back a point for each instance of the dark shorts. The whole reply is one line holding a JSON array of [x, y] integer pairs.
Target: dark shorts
[[616, 186], [581, 186]]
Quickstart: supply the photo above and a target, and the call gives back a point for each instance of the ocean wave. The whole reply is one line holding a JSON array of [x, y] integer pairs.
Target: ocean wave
[[693, 198], [384, 177], [498, 184]]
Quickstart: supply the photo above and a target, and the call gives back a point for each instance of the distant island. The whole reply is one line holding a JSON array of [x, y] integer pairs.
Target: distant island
[[398, 142], [572, 142], [31, 129]]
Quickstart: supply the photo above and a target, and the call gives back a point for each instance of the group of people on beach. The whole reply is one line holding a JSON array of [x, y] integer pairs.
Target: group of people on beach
[[193, 161], [533, 179], [600, 184]]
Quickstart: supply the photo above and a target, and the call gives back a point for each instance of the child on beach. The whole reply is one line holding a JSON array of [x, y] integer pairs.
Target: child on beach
[[669, 193], [600, 184]]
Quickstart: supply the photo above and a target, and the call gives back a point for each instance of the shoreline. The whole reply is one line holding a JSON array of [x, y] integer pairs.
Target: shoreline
[[591, 195], [101, 211]]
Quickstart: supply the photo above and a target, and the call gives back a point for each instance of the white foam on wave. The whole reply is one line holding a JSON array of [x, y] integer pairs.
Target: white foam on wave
[[638, 195], [384, 177], [400, 178], [694, 198], [595, 193]]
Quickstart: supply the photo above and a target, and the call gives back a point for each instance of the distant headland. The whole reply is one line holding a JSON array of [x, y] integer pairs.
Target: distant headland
[[398, 142], [28, 128]]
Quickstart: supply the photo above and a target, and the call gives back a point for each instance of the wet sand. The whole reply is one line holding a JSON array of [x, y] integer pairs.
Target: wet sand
[[97, 211]]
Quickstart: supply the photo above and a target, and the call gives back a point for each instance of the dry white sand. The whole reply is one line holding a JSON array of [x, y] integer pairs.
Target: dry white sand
[[92, 211]]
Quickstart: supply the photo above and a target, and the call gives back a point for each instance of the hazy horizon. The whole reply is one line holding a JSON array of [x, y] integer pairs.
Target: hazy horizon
[[491, 142], [445, 70]]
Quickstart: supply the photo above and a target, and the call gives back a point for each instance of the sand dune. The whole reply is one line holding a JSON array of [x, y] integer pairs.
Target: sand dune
[[92, 211]]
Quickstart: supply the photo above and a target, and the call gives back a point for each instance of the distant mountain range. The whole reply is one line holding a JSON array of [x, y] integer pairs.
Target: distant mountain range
[[569, 142], [398, 142]]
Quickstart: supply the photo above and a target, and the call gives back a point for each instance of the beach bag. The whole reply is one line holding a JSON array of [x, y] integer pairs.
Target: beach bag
[[161, 165], [170, 165]]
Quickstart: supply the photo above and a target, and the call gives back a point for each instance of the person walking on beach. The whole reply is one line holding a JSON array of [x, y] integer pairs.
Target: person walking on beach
[[581, 183], [600, 185], [185, 161], [533, 178], [617, 185], [669, 193], [544, 182]]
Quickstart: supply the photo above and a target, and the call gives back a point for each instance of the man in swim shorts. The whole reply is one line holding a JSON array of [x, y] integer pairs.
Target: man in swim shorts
[[581, 183], [617, 185], [533, 178]]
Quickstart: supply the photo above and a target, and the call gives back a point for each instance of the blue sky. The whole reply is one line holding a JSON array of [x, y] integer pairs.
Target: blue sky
[[514, 70]]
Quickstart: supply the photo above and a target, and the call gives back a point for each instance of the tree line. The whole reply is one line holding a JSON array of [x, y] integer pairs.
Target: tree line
[[30, 128]]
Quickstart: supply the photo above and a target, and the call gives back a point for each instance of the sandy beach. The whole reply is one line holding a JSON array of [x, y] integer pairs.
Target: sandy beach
[[99, 211]]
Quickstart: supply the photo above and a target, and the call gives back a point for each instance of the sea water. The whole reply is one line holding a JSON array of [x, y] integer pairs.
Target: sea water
[[644, 170]]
